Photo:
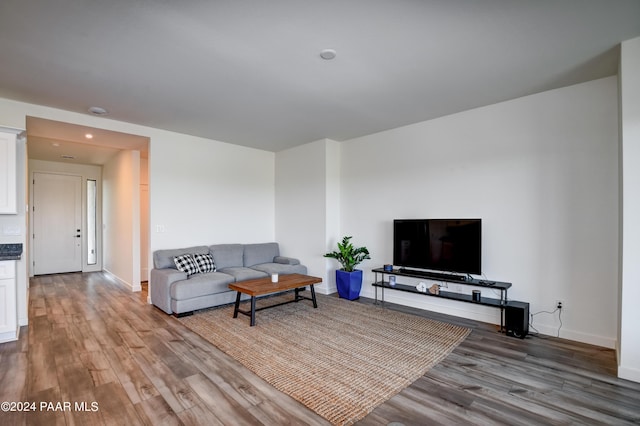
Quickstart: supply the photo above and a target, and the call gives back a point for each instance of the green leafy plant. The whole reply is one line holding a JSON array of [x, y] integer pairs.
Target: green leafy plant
[[348, 255]]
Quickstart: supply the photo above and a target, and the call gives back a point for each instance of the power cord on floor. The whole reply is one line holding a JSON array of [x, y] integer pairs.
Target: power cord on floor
[[559, 310]]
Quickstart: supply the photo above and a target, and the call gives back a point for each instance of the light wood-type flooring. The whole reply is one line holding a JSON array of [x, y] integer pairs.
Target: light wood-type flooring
[[95, 353]]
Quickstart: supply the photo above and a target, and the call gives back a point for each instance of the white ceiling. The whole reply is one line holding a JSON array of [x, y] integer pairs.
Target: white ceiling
[[248, 72]]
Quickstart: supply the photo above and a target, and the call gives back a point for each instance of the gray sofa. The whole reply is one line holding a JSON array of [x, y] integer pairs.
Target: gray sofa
[[177, 293]]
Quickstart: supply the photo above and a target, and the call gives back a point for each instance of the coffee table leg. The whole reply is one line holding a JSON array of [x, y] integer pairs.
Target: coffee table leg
[[313, 296], [235, 309], [253, 311]]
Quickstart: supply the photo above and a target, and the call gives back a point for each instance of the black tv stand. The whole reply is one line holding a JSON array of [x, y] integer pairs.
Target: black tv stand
[[502, 287]]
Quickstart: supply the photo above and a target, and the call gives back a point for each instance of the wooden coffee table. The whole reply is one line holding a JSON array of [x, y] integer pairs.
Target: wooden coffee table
[[264, 286]]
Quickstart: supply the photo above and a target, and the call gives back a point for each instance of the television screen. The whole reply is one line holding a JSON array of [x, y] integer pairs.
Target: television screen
[[451, 245]]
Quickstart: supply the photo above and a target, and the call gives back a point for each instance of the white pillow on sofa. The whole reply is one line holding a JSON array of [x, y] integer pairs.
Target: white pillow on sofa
[[205, 262], [186, 263]]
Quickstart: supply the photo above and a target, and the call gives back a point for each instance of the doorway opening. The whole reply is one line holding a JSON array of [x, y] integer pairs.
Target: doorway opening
[[109, 166]]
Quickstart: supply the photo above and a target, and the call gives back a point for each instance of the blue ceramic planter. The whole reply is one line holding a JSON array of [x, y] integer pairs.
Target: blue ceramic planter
[[349, 284]]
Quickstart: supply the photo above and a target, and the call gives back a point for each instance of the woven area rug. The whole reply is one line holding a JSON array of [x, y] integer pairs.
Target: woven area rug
[[340, 360]]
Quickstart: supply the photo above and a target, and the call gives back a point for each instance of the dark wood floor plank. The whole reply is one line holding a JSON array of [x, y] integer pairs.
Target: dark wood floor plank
[[135, 383], [50, 409], [42, 374], [98, 367], [156, 411], [14, 369], [75, 382], [507, 408], [246, 389], [115, 408], [90, 339], [199, 415], [63, 348], [131, 339], [407, 411], [227, 410], [504, 414], [160, 349], [105, 337], [174, 390], [507, 400]]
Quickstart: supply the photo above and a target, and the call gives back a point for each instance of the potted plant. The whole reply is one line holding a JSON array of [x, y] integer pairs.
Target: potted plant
[[349, 279]]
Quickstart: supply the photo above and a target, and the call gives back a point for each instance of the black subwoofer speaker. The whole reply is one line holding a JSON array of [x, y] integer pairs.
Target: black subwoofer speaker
[[516, 318]]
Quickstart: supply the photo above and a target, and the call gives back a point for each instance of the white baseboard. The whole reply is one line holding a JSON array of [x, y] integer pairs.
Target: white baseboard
[[627, 373], [591, 339], [10, 336], [324, 288], [22, 321], [134, 288], [480, 313]]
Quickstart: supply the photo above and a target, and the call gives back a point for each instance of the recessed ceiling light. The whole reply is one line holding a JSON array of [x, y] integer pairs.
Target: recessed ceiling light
[[328, 54], [88, 136], [56, 144], [96, 110]]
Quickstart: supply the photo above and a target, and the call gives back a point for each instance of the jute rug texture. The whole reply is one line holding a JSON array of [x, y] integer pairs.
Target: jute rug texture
[[340, 360]]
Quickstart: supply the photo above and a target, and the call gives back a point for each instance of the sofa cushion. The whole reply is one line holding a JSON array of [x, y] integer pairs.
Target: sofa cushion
[[186, 264], [163, 259], [205, 262], [286, 260], [201, 285], [241, 273], [226, 255], [255, 254], [280, 268]]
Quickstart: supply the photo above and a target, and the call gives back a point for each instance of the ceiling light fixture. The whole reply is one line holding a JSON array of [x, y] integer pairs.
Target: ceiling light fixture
[[88, 136], [95, 110], [328, 54]]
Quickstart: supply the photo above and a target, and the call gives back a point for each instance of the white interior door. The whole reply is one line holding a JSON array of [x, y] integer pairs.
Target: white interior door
[[57, 220]]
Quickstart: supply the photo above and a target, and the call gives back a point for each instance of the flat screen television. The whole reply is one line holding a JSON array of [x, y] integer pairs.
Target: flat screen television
[[451, 245]]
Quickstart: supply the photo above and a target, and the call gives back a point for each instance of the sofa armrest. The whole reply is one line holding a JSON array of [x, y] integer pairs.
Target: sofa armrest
[[286, 260], [160, 281]]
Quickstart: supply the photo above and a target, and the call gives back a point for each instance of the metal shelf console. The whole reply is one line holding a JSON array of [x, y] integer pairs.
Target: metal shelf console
[[500, 303]]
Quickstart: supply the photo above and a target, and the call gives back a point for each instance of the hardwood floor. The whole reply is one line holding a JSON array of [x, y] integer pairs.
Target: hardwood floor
[[114, 359]]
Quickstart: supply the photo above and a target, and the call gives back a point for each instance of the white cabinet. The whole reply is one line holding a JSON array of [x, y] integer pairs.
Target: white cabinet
[[8, 315], [8, 182]]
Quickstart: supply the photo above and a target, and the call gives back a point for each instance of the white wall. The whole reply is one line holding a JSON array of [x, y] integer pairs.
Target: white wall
[[542, 173], [201, 191], [333, 228], [121, 217], [209, 192], [307, 181], [144, 220], [629, 355]]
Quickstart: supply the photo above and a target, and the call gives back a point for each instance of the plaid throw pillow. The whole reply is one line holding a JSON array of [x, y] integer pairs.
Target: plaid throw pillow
[[186, 264], [205, 262]]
